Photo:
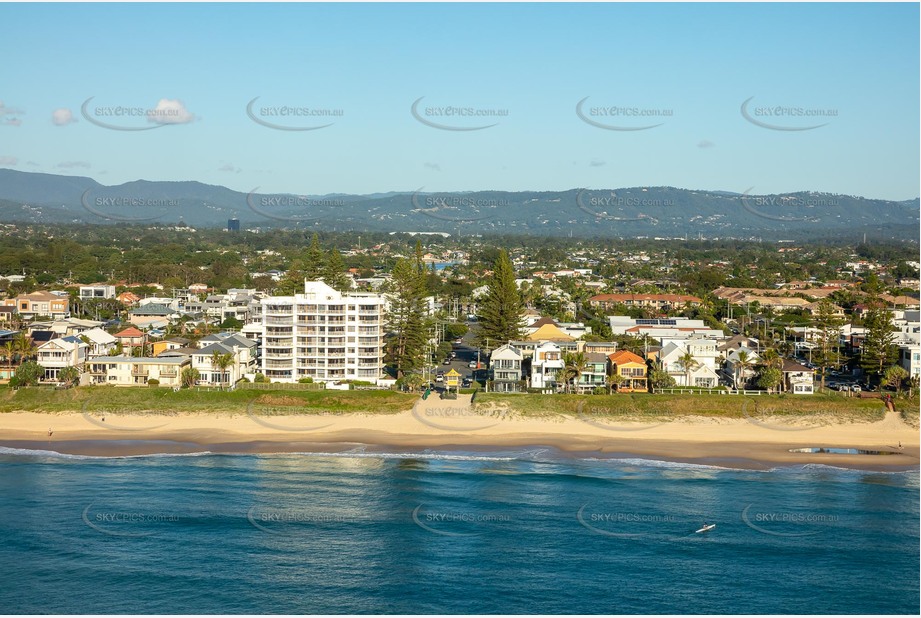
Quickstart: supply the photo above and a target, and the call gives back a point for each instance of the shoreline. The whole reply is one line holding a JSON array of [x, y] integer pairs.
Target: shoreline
[[745, 444]]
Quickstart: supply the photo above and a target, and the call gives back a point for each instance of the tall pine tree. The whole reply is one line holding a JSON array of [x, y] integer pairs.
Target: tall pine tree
[[314, 260], [878, 349], [501, 311], [334, 271], [406, 319]]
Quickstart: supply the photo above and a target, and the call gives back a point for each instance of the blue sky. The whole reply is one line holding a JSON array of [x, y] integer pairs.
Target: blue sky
[[691, 66]]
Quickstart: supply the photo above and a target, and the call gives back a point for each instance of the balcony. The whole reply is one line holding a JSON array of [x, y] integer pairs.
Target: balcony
[[169, 373], [138, 372]]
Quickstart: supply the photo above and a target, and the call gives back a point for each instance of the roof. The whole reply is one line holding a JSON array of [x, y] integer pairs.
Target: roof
[[676, 298], [622, 357], [152, 309], [140, 360], [790, 366], [220, 348], [129, 332], [549, 332], [542, 321]]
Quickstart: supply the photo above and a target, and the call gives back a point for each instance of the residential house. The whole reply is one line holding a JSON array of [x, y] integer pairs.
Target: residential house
[[739, 374], [702, 373], [595, 372], [89, 292], [505, 366], [910, 359], [56, 354], [159, 347], [658, 302], [136, 371], [99, 341], [40, 304], [242, 359], [546, 364], [632, 368], [797, 379], [130, 338]]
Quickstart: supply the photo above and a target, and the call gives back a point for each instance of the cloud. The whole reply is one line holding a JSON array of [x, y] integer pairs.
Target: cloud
[[170, 111], [12, 112], [62, 117], [11, 161], [705, 144], [73, 164], [433, 166], [596, 163], [228, 167]]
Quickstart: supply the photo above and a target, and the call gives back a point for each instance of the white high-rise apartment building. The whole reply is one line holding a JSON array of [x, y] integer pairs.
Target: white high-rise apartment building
[[323, 334]]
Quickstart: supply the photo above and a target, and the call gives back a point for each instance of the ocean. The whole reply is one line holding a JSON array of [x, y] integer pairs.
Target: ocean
[[516, 531]]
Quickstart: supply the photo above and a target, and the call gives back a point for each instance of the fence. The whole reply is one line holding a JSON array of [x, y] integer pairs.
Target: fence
[[281, 386], [707, 391]]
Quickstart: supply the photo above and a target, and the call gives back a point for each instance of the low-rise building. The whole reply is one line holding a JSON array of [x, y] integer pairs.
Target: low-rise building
[[632, 368], [56, 354], [137, 371], [505, 367]]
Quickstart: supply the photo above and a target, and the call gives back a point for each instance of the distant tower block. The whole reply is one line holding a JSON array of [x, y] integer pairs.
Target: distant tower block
[[233, 225]]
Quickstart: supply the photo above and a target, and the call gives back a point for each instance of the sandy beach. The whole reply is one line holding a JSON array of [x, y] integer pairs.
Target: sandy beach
[[453, 425]]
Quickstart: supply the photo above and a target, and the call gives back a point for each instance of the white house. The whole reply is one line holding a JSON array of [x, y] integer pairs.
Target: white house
[[242, 360], [797, 379], [137, 371], [734, 367], [88, 292], [702, 373], [100, 342], [545, 365], [910, 359], [505, 364], [59, 353]]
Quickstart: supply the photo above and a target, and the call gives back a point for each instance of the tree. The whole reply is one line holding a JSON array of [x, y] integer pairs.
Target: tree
[[28, 374], [24, 346], [878, 349], [8, 351], [221, 361], [659, 378], [231, 323], [688, 364], [334, 272], [501, 311], [614, 380], [406, 318], [575, 364], [769, 378], [69, 376], [189, 376], [829, 325], [894, 376], [742, 365], [314, 260]]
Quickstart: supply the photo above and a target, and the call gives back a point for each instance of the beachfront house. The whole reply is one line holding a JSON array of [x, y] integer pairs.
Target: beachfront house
[[505, 368], [100, 342], [240, 355], [137, 371], [797, 379], [741, 365], [594, 373], [632, 369], [56, 354], [546, 364], [40, 304], [691, 362]]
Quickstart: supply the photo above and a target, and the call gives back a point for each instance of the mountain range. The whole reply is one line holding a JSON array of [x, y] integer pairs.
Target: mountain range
[[636, 212]]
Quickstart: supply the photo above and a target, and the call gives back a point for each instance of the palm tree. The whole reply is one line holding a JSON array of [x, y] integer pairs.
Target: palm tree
[[8, 351], [772, 360], [743, 363], [24, 346], [189, 376], [614, 381], [221, 362], [575, 364], [688, 364]]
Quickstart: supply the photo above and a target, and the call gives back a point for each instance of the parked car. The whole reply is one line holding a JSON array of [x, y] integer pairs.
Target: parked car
[[856, 388], [453, 354], [439, 378], [466, 382], [458, 341], [447, 361], [472, 364]]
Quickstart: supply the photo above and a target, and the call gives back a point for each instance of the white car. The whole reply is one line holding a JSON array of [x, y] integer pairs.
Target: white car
[[472, 364]]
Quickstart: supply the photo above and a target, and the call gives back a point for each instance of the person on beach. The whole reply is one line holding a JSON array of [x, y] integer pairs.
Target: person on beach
[[50, 431]]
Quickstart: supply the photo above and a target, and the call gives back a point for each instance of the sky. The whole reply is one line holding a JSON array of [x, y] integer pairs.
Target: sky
[[735, 97]]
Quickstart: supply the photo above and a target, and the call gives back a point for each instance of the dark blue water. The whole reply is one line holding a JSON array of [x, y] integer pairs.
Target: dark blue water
[[524, 532]]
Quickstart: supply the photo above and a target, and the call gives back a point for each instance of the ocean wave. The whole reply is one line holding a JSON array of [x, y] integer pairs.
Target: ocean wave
[[26, 452]]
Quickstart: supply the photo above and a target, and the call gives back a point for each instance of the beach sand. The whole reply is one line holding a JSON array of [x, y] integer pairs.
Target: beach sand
[[452, 425]]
